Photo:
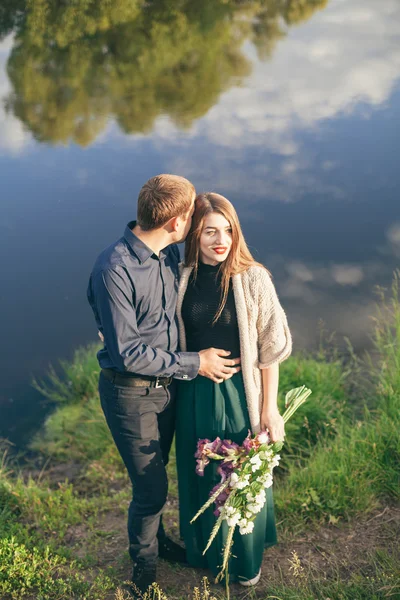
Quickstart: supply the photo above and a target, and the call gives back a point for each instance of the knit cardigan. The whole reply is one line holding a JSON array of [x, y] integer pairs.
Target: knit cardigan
[[263, 330]]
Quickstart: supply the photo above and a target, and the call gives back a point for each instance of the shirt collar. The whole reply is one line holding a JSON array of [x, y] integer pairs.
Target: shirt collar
[[142, 251]]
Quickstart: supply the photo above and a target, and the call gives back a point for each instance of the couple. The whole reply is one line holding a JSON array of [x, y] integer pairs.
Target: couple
[[194, 349]]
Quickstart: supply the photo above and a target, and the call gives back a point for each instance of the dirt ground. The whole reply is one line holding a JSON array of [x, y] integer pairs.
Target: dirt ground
[[333, 551]]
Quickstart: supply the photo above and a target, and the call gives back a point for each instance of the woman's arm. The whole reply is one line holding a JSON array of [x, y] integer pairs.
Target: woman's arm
[[270, 417]]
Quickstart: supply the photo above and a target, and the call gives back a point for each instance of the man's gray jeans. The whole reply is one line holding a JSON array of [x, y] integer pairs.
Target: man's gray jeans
[[142, 423]]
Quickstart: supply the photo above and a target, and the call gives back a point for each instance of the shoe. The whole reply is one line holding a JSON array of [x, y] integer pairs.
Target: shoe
[[251, 582], [169, 550], [142, 577]]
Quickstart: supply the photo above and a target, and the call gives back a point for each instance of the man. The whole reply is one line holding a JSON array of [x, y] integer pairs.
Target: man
[[133, 292]]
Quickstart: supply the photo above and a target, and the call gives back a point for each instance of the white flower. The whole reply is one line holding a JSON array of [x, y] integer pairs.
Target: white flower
[[275, 461], [255, 460], [237, 482], [234, 479], [242, 522], [230, 510], [263, 437], [254, 507], [241, 484], [265, 454], [247, 529], [260, 498], [248, 514], [233, 520], [249, 497]]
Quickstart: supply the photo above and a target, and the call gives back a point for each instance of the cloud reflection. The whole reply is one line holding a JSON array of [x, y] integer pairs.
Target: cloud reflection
[[346, 60], [339, 294], [392, 235], [13, 138]]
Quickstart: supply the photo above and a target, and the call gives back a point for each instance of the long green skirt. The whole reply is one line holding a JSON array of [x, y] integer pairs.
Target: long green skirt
[[207, 410]]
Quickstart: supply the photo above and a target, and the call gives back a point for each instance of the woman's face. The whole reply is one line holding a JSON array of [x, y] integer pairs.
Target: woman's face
[[215, 239]]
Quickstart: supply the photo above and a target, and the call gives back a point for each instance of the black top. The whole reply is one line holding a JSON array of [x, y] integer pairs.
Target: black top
[[199, 307], [133, 294]]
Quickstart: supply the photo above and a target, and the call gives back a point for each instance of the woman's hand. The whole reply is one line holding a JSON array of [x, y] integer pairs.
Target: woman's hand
[[275, 424]]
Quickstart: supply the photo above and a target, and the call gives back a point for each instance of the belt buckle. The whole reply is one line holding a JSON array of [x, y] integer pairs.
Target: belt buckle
[[158, 385]]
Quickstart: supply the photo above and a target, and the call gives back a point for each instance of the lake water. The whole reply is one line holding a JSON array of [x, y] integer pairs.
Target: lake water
[[290, 109]]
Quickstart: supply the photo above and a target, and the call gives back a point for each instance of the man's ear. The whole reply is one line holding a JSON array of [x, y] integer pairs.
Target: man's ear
[[174, 223]]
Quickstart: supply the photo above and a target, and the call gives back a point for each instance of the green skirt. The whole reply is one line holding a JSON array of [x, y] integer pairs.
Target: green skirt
[[206, 410]]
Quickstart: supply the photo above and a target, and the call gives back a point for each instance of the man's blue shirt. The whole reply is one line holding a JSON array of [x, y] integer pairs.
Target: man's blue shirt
[[133, 294]]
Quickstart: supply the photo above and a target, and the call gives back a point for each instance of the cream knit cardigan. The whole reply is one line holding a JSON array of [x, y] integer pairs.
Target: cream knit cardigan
[[263, 330]]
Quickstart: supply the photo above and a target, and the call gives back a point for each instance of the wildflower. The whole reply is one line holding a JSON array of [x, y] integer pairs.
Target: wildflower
[[246, 529], [256, 462], [225, 469], [228, 448], [267, 481], [205, 451], [233, 520], [242, 483], [263, 437], [249, 443], [254, 508], [234, 480], [230, 510]]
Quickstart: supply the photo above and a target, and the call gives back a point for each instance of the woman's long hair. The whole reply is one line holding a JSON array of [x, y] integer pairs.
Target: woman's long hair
[[239, 258]]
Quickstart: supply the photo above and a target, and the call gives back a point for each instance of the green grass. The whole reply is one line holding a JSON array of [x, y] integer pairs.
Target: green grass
[[26, 570], [320, 417], [341, 460], [357, 469]]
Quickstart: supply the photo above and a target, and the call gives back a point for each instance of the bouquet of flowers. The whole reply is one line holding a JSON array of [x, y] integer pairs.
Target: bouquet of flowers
[[246, 471]]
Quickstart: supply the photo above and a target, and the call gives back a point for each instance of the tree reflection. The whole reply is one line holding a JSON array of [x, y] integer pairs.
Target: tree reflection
[[76, 64], [11, 14]]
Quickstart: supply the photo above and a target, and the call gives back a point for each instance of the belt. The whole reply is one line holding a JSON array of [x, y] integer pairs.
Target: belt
[[135, 380]]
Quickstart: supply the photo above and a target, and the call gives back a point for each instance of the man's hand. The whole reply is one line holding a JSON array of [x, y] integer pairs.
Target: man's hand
[[275, 424], [215, 365]]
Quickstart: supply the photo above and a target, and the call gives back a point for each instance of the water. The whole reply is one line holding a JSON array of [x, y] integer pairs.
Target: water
[[293, 114]]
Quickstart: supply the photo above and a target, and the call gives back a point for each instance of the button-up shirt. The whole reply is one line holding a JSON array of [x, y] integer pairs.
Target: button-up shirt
[[133, 294]]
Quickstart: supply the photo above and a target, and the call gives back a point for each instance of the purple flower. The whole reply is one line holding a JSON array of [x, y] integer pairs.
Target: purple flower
[[225, 468], [222, 498], [206, 447], [248, 443], [228, 448], [200, 447], [201, 463]]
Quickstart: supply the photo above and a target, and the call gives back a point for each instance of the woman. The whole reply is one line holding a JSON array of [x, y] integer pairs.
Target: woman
[[226, 300]]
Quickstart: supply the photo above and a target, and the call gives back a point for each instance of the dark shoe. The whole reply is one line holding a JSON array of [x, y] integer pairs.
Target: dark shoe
[[142, 577], [169, 550]]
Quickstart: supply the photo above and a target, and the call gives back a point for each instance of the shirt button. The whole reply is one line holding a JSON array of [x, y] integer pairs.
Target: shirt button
[[184, 377]]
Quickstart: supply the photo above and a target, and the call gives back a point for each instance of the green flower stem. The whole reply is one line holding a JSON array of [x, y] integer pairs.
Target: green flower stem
[[294, 399]]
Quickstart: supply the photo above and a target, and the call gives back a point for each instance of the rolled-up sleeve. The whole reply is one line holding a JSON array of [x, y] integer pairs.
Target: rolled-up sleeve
[[113, 295]]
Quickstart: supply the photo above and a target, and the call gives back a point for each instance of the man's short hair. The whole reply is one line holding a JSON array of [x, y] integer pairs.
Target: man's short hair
[[163, 197]]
